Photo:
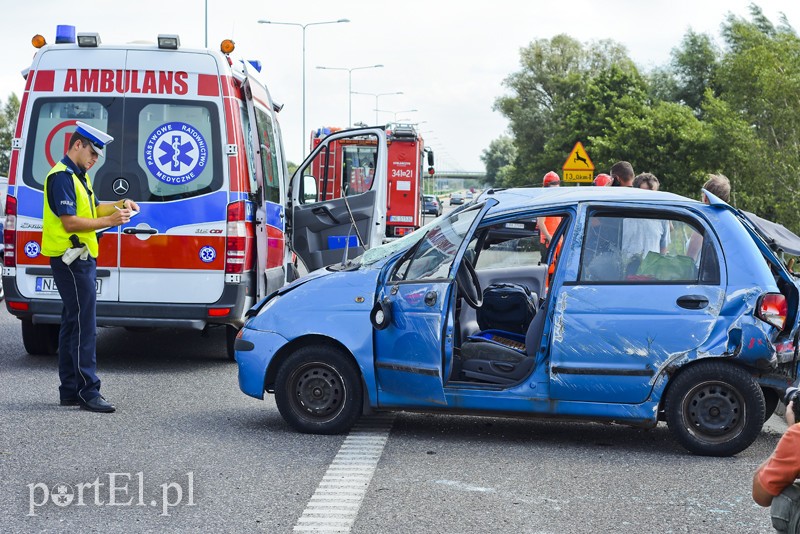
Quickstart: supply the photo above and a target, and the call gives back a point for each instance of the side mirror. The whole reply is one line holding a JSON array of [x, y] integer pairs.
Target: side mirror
[[309, 193], [381, 314]]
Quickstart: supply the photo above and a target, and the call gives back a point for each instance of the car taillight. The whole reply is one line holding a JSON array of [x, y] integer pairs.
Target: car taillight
[[10, 233], [236, 240], [400, 231], [772, 309]]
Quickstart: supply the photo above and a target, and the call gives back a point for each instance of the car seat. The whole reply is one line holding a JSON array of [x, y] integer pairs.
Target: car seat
[[501, 357]]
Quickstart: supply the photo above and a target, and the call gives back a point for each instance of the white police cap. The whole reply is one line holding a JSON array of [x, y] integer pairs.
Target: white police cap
[[98, 140]]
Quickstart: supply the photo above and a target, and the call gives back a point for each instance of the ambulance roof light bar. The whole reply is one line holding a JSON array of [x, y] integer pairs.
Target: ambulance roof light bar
[[168, 41], [88, 40]]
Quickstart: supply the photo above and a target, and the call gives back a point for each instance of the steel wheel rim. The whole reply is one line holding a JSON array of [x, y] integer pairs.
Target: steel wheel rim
[[714, 411], [317, 391]]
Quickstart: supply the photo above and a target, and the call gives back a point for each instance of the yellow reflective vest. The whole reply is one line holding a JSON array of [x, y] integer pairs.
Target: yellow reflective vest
[[55, 239]]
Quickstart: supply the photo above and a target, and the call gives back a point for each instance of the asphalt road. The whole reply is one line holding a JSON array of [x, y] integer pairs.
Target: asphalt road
[[182, 425]]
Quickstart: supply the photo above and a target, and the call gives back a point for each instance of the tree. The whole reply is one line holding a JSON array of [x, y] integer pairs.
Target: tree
[[665, 139], [759, 80], [554, 76], [500, 155], [8, 118], [694, 65]]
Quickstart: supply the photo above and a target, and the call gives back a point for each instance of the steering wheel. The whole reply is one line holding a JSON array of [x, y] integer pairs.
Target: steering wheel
[[468, 284]]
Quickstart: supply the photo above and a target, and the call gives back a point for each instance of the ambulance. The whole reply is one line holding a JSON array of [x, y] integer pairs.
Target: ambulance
[[197, 144]]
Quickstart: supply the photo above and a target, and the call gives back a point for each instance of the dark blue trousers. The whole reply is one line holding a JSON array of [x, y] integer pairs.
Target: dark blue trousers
[[77, 360]]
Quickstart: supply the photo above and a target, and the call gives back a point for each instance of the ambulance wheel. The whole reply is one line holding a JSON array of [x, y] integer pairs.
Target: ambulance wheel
[[230, 338], [318, 390], [714, 409], [40, 339]]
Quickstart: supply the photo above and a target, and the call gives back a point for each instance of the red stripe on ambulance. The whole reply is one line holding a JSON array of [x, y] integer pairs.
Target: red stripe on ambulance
[[171, 252], [208, 85], [45, 80]]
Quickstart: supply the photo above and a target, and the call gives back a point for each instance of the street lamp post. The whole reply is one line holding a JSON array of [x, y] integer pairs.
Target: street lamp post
[[303, 26], [377, 96], [350, 86]]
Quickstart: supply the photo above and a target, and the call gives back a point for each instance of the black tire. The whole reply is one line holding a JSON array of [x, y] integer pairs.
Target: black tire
[[230, 338], [318, 390], [714, 409], [771, 398], [40, 339]]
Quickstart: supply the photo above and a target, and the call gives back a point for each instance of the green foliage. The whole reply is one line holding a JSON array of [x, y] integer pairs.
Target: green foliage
[[694, 66], [8, 119], [734, 111], [499, 156]]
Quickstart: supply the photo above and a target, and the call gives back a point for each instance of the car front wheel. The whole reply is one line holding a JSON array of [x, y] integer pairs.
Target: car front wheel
[[318, 390], [715, 409]]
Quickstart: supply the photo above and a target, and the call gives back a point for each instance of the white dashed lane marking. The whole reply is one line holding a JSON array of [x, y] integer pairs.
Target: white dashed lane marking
[[335, 504]]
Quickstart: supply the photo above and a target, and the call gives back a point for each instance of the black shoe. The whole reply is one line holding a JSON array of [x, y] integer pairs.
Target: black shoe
[[98, 404], [70, 402]]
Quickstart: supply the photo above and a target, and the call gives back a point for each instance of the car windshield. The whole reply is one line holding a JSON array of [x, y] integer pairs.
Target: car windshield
[[384, 251], [434, 255], [376, 254]]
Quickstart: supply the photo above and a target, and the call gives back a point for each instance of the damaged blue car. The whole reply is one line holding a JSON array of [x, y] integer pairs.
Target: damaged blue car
[[645, 307]]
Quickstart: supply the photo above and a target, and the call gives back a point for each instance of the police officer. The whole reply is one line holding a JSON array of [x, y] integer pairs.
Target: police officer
[[72, 215]]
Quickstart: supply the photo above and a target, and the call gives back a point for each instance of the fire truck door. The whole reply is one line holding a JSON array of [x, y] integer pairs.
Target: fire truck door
[[324, 232]]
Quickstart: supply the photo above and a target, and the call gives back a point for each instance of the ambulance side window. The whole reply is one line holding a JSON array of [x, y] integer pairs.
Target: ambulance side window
[[250, 156], [51, 125], [269, 157]]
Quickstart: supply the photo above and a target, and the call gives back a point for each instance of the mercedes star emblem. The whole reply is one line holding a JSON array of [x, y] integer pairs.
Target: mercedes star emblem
[[121, 186]]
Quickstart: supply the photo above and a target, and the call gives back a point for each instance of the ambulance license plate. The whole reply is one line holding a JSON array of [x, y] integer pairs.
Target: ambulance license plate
[[46, 285]]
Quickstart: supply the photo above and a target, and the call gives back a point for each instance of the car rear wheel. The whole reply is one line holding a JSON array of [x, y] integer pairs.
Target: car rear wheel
[[715, 409], [771, 399], [318, 390], [40, 339]]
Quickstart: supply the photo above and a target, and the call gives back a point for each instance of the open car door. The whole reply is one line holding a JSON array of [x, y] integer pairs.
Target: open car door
[[326, 228], [414, 349]]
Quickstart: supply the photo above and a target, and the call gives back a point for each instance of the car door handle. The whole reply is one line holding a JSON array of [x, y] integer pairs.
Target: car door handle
[[323, 210], [131, 231], [692, 302]]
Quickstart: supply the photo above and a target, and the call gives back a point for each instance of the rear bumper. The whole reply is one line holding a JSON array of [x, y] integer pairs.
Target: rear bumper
[[235, 297]]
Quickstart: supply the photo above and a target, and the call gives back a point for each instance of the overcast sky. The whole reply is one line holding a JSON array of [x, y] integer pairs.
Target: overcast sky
[[448, 58]]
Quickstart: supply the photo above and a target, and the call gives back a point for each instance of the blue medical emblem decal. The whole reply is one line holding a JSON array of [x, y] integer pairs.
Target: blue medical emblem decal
[[207, 254], [175, 153], [32, 249]]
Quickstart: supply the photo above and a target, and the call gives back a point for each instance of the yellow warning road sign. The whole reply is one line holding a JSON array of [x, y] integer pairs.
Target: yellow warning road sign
[[578, 160]]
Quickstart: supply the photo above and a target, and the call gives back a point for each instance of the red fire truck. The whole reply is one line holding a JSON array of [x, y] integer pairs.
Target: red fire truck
[[350, 167]]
